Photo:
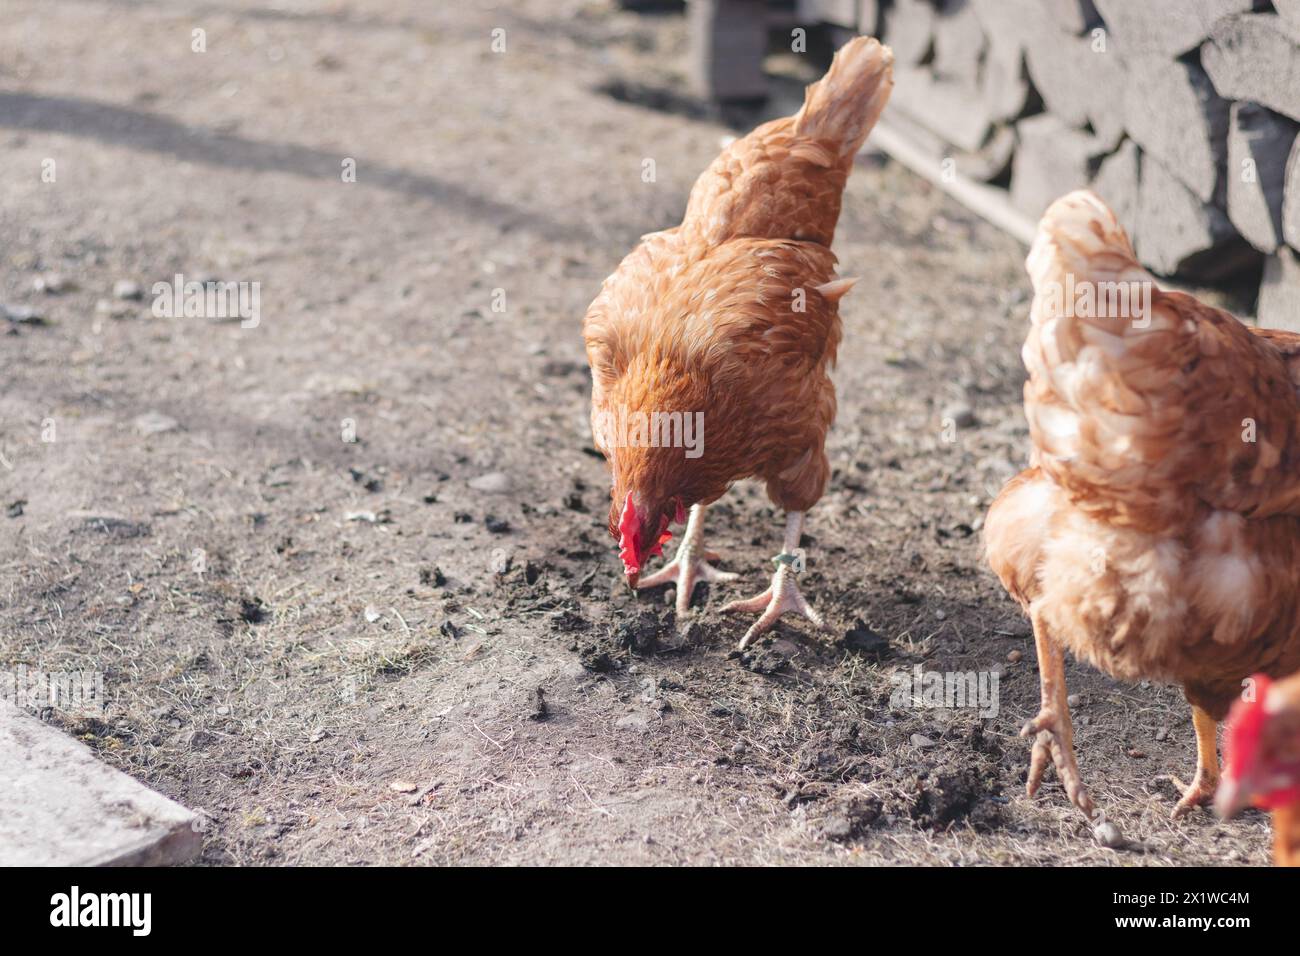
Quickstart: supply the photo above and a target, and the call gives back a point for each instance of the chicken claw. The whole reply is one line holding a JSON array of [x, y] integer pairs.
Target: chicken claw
[[1054, 741], [783, 594], [689, 565]]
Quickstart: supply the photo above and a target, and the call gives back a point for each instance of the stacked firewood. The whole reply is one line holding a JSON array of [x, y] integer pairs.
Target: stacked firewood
[[1182, 114]]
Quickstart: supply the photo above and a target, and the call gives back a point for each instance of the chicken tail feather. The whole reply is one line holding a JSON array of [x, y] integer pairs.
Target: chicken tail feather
[[1079, 240], [843, 105]]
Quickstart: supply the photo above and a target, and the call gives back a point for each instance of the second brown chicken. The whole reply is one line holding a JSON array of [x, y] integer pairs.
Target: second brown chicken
[[1155, 534]]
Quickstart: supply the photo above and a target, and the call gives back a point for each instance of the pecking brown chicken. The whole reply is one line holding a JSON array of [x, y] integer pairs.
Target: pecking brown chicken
[[1261, 751], [710, 346], [1155, 534]]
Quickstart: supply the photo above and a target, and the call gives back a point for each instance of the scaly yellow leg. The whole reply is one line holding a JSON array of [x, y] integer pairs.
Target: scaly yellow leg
[[1206, 782]]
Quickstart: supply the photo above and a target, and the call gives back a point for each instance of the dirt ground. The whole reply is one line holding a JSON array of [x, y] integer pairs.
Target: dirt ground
[[334, 649]]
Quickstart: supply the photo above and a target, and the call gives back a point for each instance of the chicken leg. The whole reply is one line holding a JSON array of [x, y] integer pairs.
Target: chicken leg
[[783, 594], [689, 565], [1206, 782], [1052, 729]]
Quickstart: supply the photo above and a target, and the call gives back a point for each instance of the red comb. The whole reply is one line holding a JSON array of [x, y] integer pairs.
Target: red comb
[[1245, 725], [629, 538]]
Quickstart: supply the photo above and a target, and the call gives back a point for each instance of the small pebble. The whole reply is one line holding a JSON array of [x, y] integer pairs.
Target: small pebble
[[22, 314], [127, 289], [494, 482], [921, 741], [51, 283], [960, 414], [1162, 733], [1108, 835], [1072, 700], [153, 423], [114, 310], [1014, 657]]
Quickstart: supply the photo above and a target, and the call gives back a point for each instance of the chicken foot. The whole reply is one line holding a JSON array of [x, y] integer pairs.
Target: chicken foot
[[783, 594], [689, 565], [1052, 729], [1206, 782]]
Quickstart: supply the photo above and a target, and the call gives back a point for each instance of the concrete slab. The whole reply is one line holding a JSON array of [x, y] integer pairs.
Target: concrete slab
[[60, 806]]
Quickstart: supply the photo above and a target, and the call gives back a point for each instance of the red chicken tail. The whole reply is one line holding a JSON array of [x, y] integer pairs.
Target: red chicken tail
[[844, 104]]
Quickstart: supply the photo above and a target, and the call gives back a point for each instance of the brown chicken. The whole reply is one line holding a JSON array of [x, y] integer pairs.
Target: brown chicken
[[1261, 751], [710, 346], [1155, 534]]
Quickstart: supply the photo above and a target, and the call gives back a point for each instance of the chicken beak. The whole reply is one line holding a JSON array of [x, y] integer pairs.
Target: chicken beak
[[632, 578], [1231, 798]]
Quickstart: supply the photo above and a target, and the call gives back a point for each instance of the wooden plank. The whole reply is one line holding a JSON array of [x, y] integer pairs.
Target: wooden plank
[[909, 30], [950, 109], [1075, 17], [1177, 116], [1259, 145], [987, 202], [1291, 199], [1289, 9], [958, 42], [1004, 82], [869, 17], [1051, 160], [842, 13], [1279, 292], [1256, 57], [60, 806], [1012, 21], [728, 42], [1178, 234], [1080, 81], [1164, 28]]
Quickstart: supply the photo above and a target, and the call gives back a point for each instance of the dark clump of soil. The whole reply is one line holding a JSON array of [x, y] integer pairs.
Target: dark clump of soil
[[850, 819], [537, 707], [762, 660], [645, 633], [866, 643], [984, 743], [252, 610], [947, 798], [566, 621]]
